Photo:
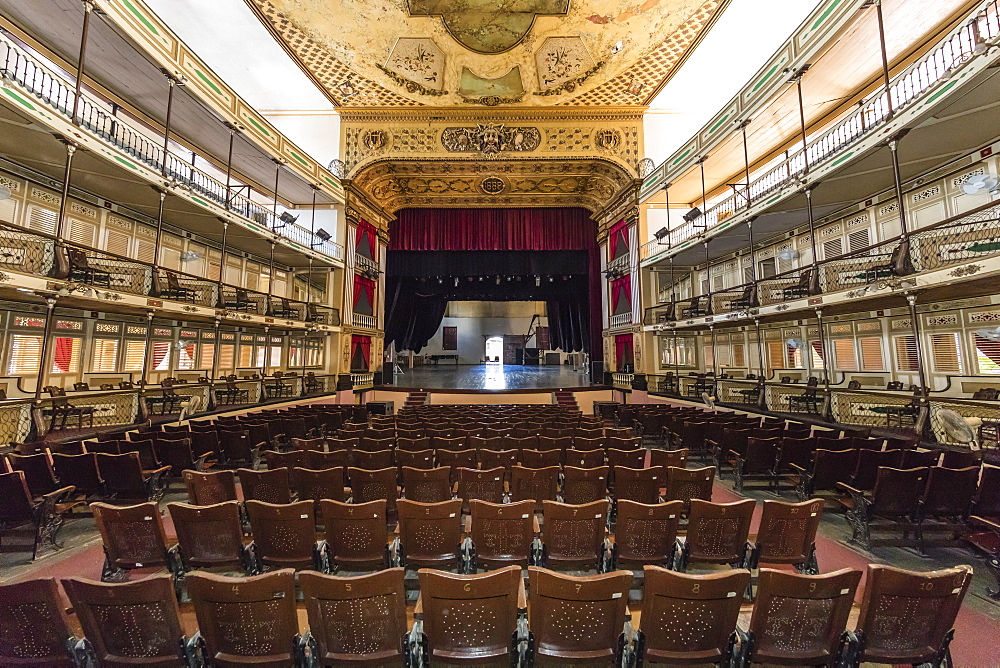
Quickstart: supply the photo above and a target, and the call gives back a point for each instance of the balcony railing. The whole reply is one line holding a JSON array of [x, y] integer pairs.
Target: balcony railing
[[362, 380], [623, 381], [364, 321], [90, 270], [621, 320], [18, 66], [969, 236], [982, 25]]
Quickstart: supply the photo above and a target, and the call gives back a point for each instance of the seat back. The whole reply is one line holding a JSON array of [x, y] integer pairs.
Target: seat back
[[787, 532], [372, 485], [583, 485], [133, 535], [490, 459], [638, 484], [832, 466], [412, 443], [574, 534], [502, 533], [34, 628], [645, 533], [574, 617], [318, 461], [284, 534], [761, 455], [356, 618], [800, 618], [357, 533], [535, 484], [950, 492], [271, 486], [898, 491], [635, 459], [539, 459], [317, 484], [416, 459], [208, 535], [133, 623], [246, 620], [430, 532], [80, 471], [690, 618], [906, 615], [987, 503], [717, 532], [584, 459], [795, 450], [686, 484], [372, 460], [38, 471], [209, 488], [427, 485], [481, 484], [666, 458], [869, 462], [277, 460], [456, 459], [470, 617]]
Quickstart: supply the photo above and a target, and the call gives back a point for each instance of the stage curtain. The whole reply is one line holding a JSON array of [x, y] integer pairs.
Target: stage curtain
[[621, 295], [569, 330], [492, 229]]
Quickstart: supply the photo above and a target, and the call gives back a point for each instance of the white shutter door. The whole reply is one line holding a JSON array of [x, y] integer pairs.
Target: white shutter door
[[81, 232], [8, 210], [832, 249], [858, 240], [41, 219], [117, 242], [144, 251]]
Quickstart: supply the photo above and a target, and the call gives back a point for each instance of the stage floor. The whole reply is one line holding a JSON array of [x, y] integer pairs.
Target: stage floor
[[445, 376]]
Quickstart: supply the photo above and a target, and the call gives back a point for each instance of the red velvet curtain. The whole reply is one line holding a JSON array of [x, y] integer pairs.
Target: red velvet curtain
[[618, 239], [62, 357], [492, 229], [362, 344], [623, 352], [364, 240], [621, 295], [364, 286]]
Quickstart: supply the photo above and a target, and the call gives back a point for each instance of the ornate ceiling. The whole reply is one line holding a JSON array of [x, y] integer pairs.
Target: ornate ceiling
[[494, 52]]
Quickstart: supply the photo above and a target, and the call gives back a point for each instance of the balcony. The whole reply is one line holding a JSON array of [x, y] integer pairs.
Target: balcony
[[93, 273], [362, 381], [364, 321], [622, 381], [867, 121], [621, 320], [21, 70]]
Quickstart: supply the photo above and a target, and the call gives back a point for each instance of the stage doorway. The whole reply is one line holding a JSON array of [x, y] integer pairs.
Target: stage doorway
[[494, 350]]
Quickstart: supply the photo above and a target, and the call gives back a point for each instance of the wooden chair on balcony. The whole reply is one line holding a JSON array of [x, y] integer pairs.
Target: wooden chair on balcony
[[61, 409], [175, 290], [700, 306], [240, 301], [747, 300], [808, 401], [80, 270], [801, 289], [284, 309]]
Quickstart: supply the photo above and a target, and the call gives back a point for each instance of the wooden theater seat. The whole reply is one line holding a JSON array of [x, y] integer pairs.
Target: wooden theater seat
[[716, 534], [502, 534], [686, 484], [357, 534], [646, 533], [271, 486], [480, 484], [133, 537], [210, 537], [284, 536], [430, 534], [787, 535], [209, 488], [29, 607], [573, 536], [427, 485], [585, 485]]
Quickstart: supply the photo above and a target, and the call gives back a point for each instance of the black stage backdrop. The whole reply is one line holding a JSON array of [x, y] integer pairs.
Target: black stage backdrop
[[440, 255]]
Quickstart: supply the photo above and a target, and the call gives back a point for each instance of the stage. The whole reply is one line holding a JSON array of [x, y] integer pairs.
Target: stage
[[491, 377]]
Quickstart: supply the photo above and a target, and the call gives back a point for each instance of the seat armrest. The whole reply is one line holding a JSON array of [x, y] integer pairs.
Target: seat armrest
[[797, 468], [522, 596], [852, 490], [976, 520], [535, 527], [418, 608]]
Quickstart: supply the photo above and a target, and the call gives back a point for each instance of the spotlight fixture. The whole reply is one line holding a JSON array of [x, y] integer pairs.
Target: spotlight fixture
[[538, 281], [287, 218], [323, 234], [456, 281], [661, 233], [691, 215]]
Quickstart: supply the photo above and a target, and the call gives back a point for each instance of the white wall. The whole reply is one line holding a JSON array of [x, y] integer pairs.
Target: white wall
[[477, 321]]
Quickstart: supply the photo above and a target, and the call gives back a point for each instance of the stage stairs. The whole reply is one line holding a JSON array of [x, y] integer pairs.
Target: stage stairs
[[416, 399], [563, 398]]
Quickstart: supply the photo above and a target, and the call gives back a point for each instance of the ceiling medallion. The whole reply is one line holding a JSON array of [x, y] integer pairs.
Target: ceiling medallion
[[375, 140], [492, 185], [485, 26], [490, 139]]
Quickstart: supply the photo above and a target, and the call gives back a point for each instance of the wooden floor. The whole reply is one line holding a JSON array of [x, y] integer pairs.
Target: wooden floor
[[448, 376]]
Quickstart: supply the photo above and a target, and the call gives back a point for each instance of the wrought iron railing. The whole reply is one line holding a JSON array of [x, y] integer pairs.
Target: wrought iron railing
[[18, 66], [936, 67], [15, 421]]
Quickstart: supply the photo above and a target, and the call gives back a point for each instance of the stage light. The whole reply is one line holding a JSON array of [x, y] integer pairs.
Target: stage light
[[538, 281], [456, 281], [440, 280], [551, 279], [661, 233], [288, 219], [323, 234], [693, 214], [498, 280]]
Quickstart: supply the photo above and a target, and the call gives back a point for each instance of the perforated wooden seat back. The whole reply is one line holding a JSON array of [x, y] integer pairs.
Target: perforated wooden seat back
[[277, 460], [635, 458], [456, 459], [539, 459], [481, 484], [209, 536], [34, 629], [686, 484], [949, 492], [374, 484], [717, 532], [537, 485], [133, 535], [416, 459], [577, 619], [690, 619], [356, 533], [799, 619], [666, 458], [645, 533], [373, 460], [574, 534], [430, 532], [427, 485], [246, 621], [787, 533], [129, 623], [354, 620], [284, 534], [585, 485], [317, 461], [491, 459], [272, 486], [502, 533], [584, 459], [640, 485], [470, 619], [319, 484], [907, 617], [205, 489]]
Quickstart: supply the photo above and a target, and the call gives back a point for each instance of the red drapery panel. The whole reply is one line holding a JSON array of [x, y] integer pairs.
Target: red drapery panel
[[623, 352], [364, 241], [364, 295], [492, 229], [62, 357], [361, 352], [618, 239], [621, 295]]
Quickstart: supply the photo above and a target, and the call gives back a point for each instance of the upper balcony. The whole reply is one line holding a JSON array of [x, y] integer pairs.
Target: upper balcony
[[127, 145], [943, 101]]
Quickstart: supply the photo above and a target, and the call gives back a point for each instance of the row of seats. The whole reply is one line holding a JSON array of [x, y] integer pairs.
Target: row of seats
[[905, 617]]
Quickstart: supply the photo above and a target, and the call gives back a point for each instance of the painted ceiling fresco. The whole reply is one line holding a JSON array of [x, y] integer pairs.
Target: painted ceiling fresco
[[491, 52]]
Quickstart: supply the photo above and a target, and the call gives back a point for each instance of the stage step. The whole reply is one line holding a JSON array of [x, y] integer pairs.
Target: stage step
[[565, 399], [416, 399]]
